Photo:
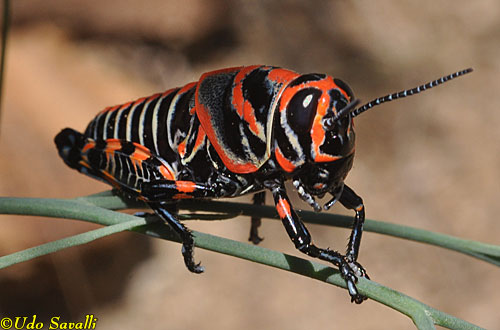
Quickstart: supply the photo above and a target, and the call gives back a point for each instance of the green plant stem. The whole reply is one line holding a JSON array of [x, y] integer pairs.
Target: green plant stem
[[487, 252], [64, 243], [422, 315]]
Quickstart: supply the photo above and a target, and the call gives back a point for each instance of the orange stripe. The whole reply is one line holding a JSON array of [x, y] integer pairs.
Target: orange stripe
[[233, 165], [107, 109], [317, 130], [238, 100], [135, 102], [249, 116], [142, 148], [109, 176], [154, 96], [285, 164], [200, 137], [215, 72], [183, 89], [185, 186], [113, 144], [134, 161], [287, 95], [283, 208], [167, 174], [181, 148], [282, 76], [319, 185], [140, 154], [181, 196], [84, 163], [322, 158], [142, 99], [89, 145]]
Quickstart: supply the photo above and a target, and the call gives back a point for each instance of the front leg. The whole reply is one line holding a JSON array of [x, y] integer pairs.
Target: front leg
[[351, 201], [302, 239]]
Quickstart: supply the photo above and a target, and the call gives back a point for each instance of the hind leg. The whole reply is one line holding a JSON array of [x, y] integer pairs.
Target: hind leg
[[159, 195], [185, 235], [129, 167]]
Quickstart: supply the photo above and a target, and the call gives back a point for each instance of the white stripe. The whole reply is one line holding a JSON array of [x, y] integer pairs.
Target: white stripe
[[244, 191], [154, 125], [129, 171], [117, 121], [173, 144], [128, 128], [96, 121], [292, 138], [270, 119], [141, 122], [119, 176], [110, 168], [250, 155], [105, 127]]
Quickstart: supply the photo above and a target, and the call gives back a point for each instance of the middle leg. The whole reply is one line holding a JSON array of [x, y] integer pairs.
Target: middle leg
[[258, 199]]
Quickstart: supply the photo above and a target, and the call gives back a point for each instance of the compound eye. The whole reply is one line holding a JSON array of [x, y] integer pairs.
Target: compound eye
[[302, 109], [344, 87]]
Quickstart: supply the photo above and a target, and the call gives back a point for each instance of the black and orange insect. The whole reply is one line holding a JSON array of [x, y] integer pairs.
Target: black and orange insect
[[235, 131]]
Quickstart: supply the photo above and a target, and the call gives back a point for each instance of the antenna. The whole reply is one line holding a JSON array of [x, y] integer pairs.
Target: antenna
[[329, 123], [406, 92]]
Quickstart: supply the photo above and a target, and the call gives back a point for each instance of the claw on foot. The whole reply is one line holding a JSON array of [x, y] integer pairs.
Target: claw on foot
[[351, 271], [187, 252]]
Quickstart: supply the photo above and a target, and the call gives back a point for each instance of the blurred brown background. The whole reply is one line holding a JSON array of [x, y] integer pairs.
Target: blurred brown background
[[430, 161]]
